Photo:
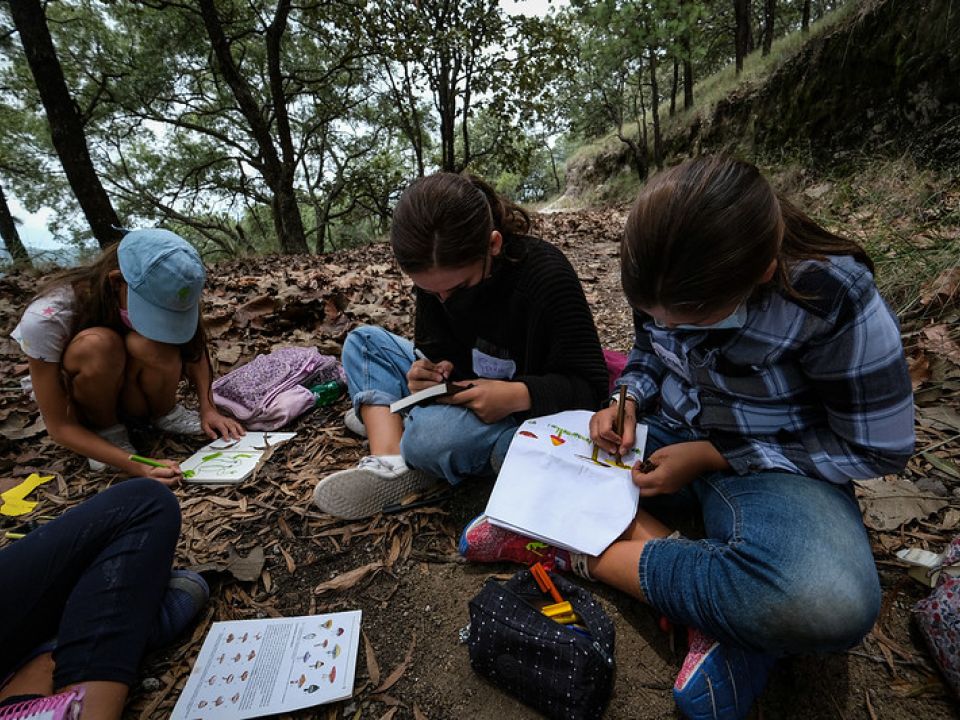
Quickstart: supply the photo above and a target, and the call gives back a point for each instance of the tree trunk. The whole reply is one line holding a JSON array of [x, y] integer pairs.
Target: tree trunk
[[655, 107], [11, 238], [278, 173], [66, 125], [769, 13], [639, 157], [674, 86], [447, 109], [805, 17], [553, 164], [741, 13], [294, 238], [687, 68]]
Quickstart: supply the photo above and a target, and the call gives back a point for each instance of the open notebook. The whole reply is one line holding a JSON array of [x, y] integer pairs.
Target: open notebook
[[558, 487], [227, 462]]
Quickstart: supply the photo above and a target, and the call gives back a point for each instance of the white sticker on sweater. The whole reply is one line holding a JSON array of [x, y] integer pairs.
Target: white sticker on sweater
[[488, 366]]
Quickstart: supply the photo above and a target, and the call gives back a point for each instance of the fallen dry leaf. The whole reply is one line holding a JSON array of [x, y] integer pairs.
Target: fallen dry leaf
[[937, 340], [400, 669], [229, 354], [942, 289], [919, 370], [347, 579], [888, 503], [373, 668], [255, 308], [17, 426]]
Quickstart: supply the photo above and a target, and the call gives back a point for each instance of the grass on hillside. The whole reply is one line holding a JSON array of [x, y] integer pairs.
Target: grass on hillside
[[707, 92], [907, 218]]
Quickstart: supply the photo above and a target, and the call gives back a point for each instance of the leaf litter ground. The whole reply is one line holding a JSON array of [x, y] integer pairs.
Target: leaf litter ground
[[269, 553]]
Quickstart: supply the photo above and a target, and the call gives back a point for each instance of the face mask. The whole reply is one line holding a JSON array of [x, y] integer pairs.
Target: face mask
[[736, 319], [465, 300], [125, 318]]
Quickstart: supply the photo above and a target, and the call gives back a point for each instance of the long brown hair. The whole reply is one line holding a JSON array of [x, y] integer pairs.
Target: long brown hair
[[97, 305], [703, 234], [444, 220]]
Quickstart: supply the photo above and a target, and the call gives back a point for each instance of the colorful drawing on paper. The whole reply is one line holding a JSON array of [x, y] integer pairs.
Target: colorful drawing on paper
[[221, 465]]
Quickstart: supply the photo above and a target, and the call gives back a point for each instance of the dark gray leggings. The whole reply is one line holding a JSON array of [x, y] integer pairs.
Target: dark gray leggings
[[94, 579]]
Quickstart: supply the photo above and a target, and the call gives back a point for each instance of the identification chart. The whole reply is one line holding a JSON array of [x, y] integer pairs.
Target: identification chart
[[252, 668]]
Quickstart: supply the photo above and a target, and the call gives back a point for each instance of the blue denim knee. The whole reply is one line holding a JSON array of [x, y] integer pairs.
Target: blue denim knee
[[376, 363], [786, 566], [452, 442]]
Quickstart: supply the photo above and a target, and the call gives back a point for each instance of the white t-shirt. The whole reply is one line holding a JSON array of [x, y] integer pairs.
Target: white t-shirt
[[44, 330]]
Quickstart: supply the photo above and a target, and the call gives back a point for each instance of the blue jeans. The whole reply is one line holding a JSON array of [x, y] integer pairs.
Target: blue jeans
[[786, 565], [443, 440], [94, 579]]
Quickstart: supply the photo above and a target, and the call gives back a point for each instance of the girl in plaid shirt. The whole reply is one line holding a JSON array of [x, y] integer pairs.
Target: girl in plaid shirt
[[770, 373]]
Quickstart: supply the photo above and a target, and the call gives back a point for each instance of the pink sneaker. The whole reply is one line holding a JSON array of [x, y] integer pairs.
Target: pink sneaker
[[484, 542]]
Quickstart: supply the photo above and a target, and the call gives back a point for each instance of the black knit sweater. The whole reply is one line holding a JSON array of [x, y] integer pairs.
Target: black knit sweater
[[531, 310]]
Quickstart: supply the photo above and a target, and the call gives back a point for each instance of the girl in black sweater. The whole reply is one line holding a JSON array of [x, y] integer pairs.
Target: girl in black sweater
[[497, 311]]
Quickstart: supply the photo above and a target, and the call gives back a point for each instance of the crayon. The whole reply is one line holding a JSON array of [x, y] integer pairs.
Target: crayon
[[146, 461], [621, 413]]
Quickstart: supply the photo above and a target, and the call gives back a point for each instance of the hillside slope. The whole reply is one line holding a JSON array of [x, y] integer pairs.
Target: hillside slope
[[886, 78], [883, 80]]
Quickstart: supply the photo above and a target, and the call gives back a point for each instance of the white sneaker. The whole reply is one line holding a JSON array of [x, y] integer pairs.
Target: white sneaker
[[354, 423], [179, 421], [377, 481], [116, 435]]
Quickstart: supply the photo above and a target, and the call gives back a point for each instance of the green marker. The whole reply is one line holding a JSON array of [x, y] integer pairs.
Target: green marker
[[146, 461]]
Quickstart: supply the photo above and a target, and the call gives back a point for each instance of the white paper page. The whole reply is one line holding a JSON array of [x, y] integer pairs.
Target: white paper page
[[553, 487], [253, 668], [253, 440], [209, 465]]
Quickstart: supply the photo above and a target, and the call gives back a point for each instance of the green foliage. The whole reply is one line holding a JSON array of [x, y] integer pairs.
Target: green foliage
[[360, 98]]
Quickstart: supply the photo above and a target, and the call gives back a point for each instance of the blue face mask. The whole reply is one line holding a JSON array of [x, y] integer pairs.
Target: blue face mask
[[736, 319]]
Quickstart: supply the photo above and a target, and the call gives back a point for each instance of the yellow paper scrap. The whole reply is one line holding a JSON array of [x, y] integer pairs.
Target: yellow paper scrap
[[14, 499]]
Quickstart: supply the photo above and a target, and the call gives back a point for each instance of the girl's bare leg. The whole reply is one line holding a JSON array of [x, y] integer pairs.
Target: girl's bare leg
[[618, 566], [384, 429], [94, 362], [102, 700], [152, 376], [34, 678]]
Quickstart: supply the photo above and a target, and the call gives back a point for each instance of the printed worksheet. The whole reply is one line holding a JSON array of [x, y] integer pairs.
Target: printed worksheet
[[252, 668], [558, 487]]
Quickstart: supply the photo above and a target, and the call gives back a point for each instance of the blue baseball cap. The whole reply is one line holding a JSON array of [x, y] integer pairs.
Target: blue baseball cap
[[164, 276]]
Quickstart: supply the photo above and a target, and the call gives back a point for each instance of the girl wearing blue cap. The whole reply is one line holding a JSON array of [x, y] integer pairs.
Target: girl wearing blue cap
[[111, 340]]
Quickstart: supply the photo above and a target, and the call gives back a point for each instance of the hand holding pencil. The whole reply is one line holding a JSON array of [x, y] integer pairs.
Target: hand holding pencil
[[424, 372], [614, 429]]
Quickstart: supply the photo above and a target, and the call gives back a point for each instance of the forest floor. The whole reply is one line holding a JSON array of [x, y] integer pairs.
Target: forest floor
[[402, 570]]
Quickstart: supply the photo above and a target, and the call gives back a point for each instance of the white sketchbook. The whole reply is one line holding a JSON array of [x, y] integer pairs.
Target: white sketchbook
[[227, 462], [253, 668], [439, 390], [558, 487]]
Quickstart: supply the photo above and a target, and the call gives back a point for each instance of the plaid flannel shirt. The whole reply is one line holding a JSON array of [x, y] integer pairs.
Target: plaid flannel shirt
[[816, 386]]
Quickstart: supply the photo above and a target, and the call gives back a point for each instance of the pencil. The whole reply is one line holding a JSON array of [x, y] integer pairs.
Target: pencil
[[621, 413], [146, 461]]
